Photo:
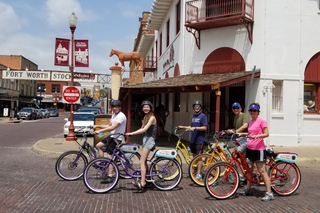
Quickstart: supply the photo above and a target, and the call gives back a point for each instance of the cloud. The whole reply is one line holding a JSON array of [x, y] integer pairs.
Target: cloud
[[59, 12], [9, 21]]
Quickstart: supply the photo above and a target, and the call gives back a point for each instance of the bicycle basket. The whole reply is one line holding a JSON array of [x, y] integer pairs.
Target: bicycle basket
[[226, 139]]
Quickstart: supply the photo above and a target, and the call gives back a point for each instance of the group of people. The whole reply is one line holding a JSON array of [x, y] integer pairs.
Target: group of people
[[253, 147]]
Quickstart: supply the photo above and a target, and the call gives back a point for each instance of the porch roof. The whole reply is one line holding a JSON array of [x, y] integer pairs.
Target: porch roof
[[187, 83]]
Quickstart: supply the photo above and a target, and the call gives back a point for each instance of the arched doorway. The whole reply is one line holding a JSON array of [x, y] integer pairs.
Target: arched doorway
[[224, 60]]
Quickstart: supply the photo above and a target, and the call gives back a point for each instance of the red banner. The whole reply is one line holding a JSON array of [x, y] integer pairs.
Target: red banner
[[81, 53], [61, 56]]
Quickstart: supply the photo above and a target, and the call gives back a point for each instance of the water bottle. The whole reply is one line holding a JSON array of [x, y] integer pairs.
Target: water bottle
[[248, 162], [96, 152], [189, 150]]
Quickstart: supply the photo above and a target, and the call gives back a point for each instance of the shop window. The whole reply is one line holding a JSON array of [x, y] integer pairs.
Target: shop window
[[309, 97], [277, 97]]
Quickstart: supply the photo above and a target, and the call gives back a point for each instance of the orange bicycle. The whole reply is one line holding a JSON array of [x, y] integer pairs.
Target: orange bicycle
[[218, 152]]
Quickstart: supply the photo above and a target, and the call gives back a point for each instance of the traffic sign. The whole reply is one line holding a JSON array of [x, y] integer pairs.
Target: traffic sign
[[71, 95]]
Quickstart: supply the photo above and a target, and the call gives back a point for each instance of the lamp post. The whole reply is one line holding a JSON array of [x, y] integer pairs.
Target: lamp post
[[73, 22], [11, 116]]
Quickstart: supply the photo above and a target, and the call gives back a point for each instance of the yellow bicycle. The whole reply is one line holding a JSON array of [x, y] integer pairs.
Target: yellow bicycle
[[182, 148]]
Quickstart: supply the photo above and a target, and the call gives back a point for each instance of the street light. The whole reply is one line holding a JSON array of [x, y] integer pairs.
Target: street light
[[11, 117], [73, 22]]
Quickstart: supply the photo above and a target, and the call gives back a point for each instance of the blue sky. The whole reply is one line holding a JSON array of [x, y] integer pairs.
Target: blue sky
[[30, 27]]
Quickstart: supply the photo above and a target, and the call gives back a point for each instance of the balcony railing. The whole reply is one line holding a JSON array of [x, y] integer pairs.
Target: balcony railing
[[206, 14], [150, 64]]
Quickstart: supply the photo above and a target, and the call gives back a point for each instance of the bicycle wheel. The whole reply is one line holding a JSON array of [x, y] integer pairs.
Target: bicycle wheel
[[203, 159], [71, 165], [96, 175], [133, 159], [285, 178], [165, 173], [221, 180]]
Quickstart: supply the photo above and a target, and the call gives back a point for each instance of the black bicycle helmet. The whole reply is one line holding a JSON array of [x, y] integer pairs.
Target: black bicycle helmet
[[116, 103], [197, 102], [147, 103]]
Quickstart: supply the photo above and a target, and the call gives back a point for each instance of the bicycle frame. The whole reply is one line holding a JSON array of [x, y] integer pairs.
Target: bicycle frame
[[125, 163], [255, 176]]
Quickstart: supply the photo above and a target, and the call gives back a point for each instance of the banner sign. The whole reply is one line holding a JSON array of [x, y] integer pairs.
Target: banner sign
[[48, 76], [83, 76], [81, 52], [61, 56], [59, 76], [26, 75]]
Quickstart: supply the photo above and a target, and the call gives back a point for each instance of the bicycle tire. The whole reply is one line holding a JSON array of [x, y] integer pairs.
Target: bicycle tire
[[215, 184], [288, 183], [205, 158], [71, 165], [169, 173], [134, 159], [96, 175]]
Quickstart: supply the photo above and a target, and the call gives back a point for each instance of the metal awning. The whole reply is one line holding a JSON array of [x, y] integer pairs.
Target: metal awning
[[187, 83]]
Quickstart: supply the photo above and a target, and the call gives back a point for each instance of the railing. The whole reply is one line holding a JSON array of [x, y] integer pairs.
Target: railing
[[202, 10], [150, 64]]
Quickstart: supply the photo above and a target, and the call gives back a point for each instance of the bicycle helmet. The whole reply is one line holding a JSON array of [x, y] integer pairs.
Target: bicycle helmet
[[196, 102], [116, 103], [147, 103]]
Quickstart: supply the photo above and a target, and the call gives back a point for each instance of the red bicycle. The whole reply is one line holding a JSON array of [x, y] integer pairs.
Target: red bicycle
[[222, 179]]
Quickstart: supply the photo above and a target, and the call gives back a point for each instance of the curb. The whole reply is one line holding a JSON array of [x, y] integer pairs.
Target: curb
[[35, 148]]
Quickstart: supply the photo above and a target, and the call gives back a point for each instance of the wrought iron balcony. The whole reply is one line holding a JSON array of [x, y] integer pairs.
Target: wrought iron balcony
[[208, 14], [150, 64]]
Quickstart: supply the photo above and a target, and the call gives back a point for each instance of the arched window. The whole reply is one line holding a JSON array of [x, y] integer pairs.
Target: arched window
[[311, 96], [176, 70]]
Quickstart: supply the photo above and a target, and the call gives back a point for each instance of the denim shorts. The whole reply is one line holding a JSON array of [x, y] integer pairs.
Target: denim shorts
[[148, 142]]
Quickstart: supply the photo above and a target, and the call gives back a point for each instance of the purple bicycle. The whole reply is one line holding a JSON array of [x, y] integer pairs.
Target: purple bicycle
[[71, 164], [102, 174]]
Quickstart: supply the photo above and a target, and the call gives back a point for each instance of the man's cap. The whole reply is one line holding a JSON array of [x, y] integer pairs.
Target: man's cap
[[236, 104]]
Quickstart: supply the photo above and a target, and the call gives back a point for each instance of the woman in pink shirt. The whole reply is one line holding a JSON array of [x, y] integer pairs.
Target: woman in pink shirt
[[256, 150]]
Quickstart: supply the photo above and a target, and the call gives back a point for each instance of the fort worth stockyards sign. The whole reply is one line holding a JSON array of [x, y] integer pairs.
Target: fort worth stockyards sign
[[48, 76]]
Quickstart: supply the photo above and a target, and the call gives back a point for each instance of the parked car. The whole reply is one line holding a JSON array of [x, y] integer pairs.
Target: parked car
[[39, 114], [53, 112], [28, 113], [45, 113], [80, 120], [95, 111]]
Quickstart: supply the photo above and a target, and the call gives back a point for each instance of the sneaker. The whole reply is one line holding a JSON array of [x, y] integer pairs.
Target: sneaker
[[198, 177], [108, 180], [268, 197], [242, 178], [246, 192]]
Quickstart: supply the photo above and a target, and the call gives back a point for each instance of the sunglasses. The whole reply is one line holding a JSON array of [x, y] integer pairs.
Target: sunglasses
[[196, 106], [235, 108], [253, 110]]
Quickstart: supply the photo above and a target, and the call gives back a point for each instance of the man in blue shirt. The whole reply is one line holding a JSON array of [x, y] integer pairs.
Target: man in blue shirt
[[198, 128]]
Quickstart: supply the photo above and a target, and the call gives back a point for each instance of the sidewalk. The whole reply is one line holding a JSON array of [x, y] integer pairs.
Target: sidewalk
[[54, 147]]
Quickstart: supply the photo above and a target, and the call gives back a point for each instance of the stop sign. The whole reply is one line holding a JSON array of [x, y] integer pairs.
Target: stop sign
[[71, 95]]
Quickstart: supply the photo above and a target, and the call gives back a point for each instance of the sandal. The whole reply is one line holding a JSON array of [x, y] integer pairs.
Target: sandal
[[138, 185]]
